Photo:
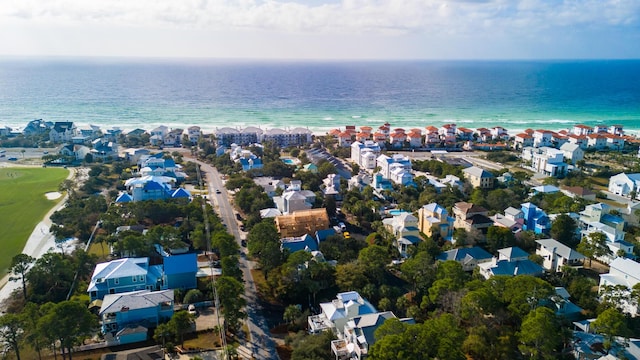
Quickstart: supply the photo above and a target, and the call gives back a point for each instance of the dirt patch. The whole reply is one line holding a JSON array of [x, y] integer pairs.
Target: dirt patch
[[284, 352]]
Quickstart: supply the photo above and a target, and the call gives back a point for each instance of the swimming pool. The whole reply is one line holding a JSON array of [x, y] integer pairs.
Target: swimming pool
[[396, 212], [288, 161]]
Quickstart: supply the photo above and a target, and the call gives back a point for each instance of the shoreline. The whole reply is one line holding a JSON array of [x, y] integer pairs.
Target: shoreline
[[553, 125]]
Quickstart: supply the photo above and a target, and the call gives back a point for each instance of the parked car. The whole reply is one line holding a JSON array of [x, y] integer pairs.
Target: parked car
[[192, 310], [343, 227], [217, 191], [12, 159], [243, 242]]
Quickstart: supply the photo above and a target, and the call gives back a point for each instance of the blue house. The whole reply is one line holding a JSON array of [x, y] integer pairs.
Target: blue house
[[293, 244], [180, 270], [322, 235], [535, 219], [126, 317], [511, 261], [125, 275]]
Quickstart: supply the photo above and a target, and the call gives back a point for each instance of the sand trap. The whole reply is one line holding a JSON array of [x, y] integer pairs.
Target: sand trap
[[53, 195]]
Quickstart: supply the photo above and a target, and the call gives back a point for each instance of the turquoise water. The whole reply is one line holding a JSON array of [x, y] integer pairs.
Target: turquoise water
[[396, 212], [321, 95], [288, 161]]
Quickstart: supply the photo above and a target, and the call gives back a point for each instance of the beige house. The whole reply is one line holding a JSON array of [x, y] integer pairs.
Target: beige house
[[479, 177], [469, 216]]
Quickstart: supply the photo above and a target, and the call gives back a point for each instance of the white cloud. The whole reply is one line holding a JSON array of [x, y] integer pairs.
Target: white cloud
[[360, 16]]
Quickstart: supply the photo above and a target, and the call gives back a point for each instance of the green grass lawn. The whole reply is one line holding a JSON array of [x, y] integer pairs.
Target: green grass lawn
[[23, 204]]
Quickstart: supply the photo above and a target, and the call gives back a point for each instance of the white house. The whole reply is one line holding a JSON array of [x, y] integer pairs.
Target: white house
[[542, 138], [624, 184], [193, 132], [365, 153], [545, 160], [572, 152], [62, 131], [556, 255], [335, 314], [626, 274]]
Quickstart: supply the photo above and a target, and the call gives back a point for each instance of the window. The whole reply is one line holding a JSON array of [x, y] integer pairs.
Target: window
[[116, 281], [142, 278], [134, 279]]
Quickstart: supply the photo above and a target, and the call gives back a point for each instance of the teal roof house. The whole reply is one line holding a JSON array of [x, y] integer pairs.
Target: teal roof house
[[124, 275], [126, 317]]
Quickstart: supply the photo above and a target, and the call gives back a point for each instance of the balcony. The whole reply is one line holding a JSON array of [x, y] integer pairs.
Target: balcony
[[319, 323], [340, 349]]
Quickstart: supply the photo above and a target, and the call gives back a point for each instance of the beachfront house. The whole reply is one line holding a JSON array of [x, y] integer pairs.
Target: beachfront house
[[36, 127], [522, 140], [542, 138], [62, 131], [194, 133]]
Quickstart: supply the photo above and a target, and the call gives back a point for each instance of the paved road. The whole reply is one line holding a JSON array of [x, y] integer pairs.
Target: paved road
[[260, 342]]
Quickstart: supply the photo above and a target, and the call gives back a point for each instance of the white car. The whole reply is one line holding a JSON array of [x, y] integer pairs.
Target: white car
[[192, 310]]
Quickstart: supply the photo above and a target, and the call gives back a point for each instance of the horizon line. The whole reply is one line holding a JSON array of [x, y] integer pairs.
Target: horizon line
[[4, 57]]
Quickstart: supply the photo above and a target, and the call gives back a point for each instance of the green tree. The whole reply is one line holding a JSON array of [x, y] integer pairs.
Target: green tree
[[350, 276], [449, 277], [310, 347], [374, 259], [291, 314], [69, 322], [230, 293], [20, 265], [12, 332], [192, 296], [419, 271], [539, 335], [594, 245], [499, 237], [33, 335], [263, 242], [523, 293], [163, 335], [611, 323], [181, 322], [564, 229]]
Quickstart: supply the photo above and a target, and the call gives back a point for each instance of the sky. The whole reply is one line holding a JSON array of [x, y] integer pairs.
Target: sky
[[323, 29]]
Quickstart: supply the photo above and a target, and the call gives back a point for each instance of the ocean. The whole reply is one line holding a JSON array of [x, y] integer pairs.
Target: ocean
[[145, 93]]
